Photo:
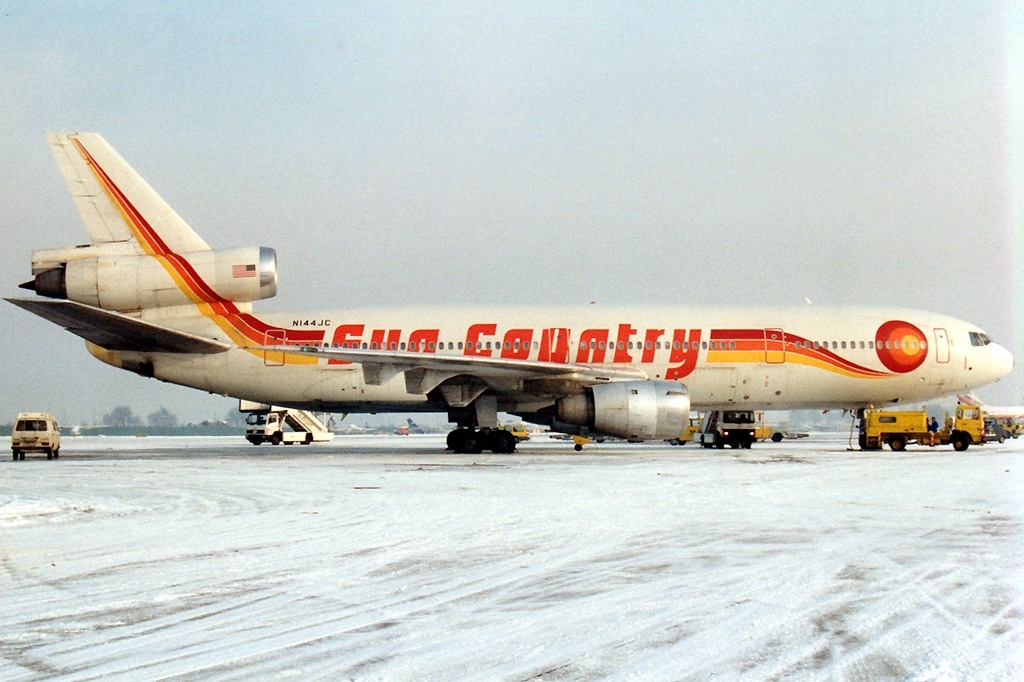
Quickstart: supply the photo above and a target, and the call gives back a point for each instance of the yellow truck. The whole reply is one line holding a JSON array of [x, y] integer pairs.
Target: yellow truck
[[687, 435], [517, 430], [897, 429]]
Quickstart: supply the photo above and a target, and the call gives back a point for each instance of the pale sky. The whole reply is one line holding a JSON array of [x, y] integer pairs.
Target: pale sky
[[634, 153]]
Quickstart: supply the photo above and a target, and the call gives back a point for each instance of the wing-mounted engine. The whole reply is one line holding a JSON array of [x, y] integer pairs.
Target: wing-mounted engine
[[116, 276], [636, 410]]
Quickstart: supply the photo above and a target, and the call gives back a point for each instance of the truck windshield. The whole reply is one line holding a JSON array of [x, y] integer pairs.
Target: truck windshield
[[256, 419]]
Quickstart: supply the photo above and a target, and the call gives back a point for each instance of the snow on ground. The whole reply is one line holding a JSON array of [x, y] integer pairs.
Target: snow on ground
[[387, 558]]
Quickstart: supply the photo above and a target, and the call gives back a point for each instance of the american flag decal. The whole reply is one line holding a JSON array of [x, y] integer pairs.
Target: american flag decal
[[243, 271]]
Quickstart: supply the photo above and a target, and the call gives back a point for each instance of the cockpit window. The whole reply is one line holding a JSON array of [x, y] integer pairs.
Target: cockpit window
[[979, 339]]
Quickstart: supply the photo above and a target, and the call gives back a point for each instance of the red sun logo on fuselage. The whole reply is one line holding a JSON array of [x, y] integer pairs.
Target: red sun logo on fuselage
[[900, 346]]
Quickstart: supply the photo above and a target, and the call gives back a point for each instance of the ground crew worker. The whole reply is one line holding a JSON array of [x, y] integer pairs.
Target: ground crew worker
[[933, 430]]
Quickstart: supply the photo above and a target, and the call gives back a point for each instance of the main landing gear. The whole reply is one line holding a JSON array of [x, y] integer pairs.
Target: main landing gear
[[474, 441]]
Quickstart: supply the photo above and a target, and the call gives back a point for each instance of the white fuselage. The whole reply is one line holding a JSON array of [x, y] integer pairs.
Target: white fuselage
[[759, 358]]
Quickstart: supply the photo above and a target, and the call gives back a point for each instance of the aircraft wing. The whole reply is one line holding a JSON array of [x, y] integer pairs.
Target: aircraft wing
[[114, 331], [426, 371], [994, 411]]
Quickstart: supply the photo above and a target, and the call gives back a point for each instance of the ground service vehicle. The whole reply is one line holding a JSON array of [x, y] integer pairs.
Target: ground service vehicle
[[721, 428], [517, 430], [686, 436], [897, 429], [995, 431], [277, 425], [35, 432]]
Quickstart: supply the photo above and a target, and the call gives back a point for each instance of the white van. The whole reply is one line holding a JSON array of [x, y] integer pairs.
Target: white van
[[35, 432]]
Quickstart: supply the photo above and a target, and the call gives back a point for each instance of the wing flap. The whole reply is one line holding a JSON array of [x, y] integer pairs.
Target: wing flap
[[114, 331]]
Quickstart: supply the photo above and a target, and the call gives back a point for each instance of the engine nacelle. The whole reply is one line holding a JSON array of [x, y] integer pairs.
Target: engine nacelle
[[126, 282], [635, 410]]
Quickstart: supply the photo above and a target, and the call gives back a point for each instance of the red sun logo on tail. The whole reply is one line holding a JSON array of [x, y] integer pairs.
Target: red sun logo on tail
[[900, 346]]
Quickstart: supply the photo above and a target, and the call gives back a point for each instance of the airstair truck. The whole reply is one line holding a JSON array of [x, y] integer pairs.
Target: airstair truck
[[732, 428], [276, 425], [897, 429]]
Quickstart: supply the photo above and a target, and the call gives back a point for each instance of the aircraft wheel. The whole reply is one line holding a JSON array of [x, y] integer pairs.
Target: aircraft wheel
[[454, 440], [472, 443], [502, 442]]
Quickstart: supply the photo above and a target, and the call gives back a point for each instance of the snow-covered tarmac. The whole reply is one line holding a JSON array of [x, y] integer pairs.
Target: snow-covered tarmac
[[387, 558]]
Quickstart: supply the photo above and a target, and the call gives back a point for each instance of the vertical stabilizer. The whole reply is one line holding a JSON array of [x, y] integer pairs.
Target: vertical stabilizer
[[115, 203]]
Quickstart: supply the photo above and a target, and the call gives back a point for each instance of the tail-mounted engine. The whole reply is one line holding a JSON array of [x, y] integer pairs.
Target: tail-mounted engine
[[636, 410], [113, 276]]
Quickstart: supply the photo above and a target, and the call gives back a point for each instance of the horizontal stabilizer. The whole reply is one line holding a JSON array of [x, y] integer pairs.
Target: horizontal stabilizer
[[114, 331]]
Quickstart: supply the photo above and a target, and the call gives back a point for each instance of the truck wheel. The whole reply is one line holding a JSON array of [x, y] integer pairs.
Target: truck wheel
[[276, 439], [56, 453], [21, 455], [309, 439], [49, 453], [777, 437], [15, 454], [960, 442], [898, 443]]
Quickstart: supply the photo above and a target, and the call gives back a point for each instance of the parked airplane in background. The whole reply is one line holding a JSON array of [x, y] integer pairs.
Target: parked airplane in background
[[993, 411], [150, 296], [410, 427]]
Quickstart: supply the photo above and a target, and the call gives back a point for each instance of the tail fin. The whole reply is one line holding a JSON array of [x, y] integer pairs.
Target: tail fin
[[115, 203]]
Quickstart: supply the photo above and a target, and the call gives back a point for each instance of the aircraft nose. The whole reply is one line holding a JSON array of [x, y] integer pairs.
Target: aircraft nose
[[1003, 361]]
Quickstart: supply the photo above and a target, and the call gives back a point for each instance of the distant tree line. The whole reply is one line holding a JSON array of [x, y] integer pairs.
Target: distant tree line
[[122, 415]]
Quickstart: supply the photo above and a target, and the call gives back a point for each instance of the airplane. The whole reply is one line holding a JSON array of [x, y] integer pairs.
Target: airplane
[[993, 411], [149, 296], [410, 427]]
